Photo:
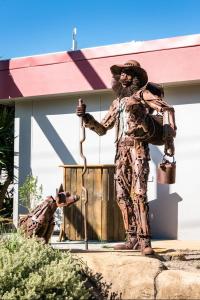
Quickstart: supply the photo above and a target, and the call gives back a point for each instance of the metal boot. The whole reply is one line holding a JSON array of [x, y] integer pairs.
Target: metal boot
[[145, 246], [132, 243]]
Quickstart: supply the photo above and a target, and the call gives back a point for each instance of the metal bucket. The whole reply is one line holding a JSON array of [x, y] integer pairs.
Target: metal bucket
[[166, 172]]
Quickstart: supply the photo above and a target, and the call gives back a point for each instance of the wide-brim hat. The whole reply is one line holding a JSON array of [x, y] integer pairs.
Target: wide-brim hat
[[133, 66]]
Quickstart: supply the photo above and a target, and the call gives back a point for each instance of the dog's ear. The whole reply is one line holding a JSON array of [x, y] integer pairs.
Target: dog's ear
[[56, 192], [61, 189]]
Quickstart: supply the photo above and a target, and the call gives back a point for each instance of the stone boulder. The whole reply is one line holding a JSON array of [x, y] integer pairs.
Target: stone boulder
[[178, 284], [131, 276]]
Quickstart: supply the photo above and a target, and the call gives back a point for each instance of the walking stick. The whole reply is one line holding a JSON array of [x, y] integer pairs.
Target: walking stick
[[84, 192]]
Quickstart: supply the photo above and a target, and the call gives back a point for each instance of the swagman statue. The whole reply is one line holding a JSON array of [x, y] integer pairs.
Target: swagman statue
[[133, 115]]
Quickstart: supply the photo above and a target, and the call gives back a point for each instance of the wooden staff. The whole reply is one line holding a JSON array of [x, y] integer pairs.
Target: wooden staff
[[84, 192]]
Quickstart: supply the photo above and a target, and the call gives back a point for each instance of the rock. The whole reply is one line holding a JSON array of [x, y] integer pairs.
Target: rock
[[132, 276], [178, 284]]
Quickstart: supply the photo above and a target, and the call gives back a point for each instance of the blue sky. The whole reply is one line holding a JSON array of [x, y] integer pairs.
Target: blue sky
[[29, 27]]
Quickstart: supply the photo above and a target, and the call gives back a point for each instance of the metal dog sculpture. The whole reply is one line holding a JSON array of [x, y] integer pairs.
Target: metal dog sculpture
[[40, 221]]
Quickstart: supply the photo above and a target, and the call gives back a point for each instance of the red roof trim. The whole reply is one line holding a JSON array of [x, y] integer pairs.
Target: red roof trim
[[101, 52], [88, 69]]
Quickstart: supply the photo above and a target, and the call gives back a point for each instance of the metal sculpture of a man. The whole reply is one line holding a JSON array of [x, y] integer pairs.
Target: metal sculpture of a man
[[132, 115]]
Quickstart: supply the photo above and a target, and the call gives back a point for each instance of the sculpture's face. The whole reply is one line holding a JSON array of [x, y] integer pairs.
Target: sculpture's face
[[61, 199], [125, 84], [126, 78], [66, 199]]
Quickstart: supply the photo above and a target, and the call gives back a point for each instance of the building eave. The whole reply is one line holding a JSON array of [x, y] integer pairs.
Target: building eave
[[170, 60]]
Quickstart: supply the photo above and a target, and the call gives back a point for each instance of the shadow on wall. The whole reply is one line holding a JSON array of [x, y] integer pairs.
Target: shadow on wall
[[25, 113], [54, 139], [163, 211], [164, 215], [87, 70], [8, 87]]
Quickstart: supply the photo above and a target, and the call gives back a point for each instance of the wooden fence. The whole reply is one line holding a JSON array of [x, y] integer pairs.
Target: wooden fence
[[104, 220]]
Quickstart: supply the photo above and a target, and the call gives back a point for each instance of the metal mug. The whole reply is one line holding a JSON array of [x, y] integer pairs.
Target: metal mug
[[166, 171]]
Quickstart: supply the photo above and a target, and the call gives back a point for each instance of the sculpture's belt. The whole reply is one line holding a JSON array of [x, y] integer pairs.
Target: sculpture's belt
[[127, 142]]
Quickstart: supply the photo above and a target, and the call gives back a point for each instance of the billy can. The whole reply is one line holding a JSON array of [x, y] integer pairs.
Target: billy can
[[166, 171]]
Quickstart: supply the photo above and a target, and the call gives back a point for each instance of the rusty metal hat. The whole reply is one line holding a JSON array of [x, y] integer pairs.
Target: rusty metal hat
[[133, 66]]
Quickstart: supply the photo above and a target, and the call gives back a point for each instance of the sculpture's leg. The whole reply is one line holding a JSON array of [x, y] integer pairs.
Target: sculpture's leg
[[141, 208], [142, 220], [127, 210], [49, 231], [123, 178]]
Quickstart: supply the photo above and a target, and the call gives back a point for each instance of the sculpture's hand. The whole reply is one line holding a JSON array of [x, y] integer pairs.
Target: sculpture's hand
[[81, 108], [169, 149], [132, 103]]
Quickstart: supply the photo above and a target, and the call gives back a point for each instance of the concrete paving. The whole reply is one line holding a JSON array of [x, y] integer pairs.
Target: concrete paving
[[158, 245]]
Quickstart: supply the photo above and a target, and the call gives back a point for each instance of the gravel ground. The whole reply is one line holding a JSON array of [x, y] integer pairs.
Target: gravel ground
[[187, 260]]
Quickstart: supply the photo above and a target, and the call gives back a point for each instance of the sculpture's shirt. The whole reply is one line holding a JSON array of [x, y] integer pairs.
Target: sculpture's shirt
[[130, 120], [123, 118]]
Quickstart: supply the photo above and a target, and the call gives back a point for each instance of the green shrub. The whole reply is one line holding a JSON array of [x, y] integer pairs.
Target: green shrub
[[32, 270], [30, 194]]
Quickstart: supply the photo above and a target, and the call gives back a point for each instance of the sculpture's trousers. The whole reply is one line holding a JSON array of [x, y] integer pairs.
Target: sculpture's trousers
[[131, 176]]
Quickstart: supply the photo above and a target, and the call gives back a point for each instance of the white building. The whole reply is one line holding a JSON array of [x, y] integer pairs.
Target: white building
[[46, 89]]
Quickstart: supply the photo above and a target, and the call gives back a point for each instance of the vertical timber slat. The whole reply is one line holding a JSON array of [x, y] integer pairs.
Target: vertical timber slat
[[79, 205], [96, 205], [66, 185], [111, 204], [89, 186], [72, 208], [104, 206]]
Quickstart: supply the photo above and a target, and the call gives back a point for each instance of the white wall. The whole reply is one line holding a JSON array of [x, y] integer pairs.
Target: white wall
[[49, 134], [187, 105]]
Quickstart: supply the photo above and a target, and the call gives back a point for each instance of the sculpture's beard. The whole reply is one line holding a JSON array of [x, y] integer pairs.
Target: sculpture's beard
[[125, 91]]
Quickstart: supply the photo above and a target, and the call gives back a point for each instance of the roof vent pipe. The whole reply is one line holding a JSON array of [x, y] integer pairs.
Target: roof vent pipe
[[74, 40]]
